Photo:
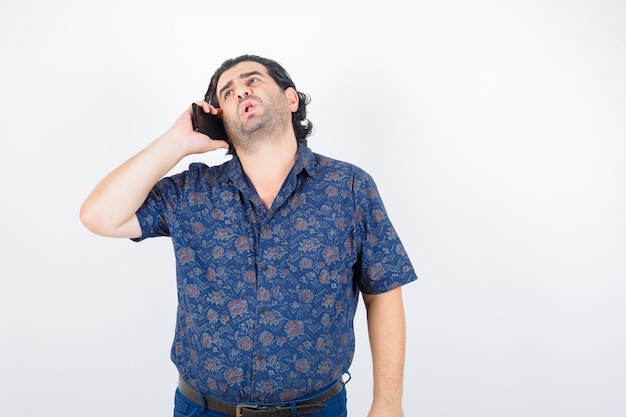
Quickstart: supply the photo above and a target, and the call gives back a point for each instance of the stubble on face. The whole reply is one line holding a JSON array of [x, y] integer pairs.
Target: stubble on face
[[269, 122]]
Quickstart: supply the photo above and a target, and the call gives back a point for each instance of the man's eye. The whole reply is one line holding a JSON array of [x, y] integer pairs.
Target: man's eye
[[253, 80], [227, 94]]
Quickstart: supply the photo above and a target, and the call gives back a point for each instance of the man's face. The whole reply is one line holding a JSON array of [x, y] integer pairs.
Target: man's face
[[253, 106]]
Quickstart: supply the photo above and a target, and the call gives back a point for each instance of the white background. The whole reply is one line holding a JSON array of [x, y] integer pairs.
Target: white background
[[494, 129]]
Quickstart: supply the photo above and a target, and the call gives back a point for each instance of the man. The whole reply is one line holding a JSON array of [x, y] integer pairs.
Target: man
[[272, 250]]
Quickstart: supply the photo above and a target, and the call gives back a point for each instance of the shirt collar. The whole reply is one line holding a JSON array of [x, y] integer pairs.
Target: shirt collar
[[305, 162]]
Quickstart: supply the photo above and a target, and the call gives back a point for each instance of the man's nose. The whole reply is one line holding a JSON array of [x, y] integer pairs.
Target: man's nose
[[243, 91]]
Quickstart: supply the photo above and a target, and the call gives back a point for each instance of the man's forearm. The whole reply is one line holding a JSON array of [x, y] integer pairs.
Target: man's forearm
[[110, 208], [117, 197], [387, 334]]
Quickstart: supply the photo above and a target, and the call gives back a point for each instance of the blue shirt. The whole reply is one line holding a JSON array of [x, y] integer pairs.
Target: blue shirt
[[266, 299]]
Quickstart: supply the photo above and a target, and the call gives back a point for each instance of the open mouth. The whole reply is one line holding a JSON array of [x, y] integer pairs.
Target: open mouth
[[247, 107]]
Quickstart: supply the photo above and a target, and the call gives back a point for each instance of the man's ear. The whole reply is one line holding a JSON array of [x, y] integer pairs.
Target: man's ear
[[293, 98]]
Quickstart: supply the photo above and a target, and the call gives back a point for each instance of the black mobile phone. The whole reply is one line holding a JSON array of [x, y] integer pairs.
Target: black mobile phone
[[208, 123]]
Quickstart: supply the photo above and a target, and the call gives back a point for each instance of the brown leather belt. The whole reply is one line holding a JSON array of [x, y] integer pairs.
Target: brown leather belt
[[306, 407]]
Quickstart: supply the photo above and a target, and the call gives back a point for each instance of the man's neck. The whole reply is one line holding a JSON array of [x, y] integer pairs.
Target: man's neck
[[267, 167]]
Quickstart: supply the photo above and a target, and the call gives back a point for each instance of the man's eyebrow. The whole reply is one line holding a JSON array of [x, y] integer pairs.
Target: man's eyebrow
[[241, 76]]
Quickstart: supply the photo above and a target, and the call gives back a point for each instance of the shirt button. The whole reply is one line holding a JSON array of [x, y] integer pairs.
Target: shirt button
[[262, 311], [265, 268]]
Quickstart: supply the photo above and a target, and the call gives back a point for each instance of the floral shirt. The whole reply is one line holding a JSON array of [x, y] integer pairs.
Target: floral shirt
[[266, 298]]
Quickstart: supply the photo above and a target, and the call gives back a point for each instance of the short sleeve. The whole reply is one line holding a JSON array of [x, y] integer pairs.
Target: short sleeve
[[152, 214], [384, 263]]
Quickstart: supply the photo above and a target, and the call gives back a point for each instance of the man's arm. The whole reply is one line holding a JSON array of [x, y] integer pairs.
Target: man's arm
[[387, 335], [110, 208]]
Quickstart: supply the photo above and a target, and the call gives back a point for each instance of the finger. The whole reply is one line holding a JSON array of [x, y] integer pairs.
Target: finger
[[215, 110], [205, 106], [209, 108], [220, 144]]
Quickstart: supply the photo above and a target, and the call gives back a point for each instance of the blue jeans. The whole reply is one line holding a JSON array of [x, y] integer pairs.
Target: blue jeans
[[184, 407]]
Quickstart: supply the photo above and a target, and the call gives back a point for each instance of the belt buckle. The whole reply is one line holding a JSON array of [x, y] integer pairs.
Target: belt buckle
[[241, 407]]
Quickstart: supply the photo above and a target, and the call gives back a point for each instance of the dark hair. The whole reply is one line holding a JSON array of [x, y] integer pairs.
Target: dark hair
[[302, 126]]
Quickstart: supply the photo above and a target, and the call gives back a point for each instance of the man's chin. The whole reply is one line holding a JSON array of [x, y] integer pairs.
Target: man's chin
[[253, 124]]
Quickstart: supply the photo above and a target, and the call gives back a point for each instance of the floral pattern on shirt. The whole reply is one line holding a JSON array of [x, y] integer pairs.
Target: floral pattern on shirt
[[267, 298]]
